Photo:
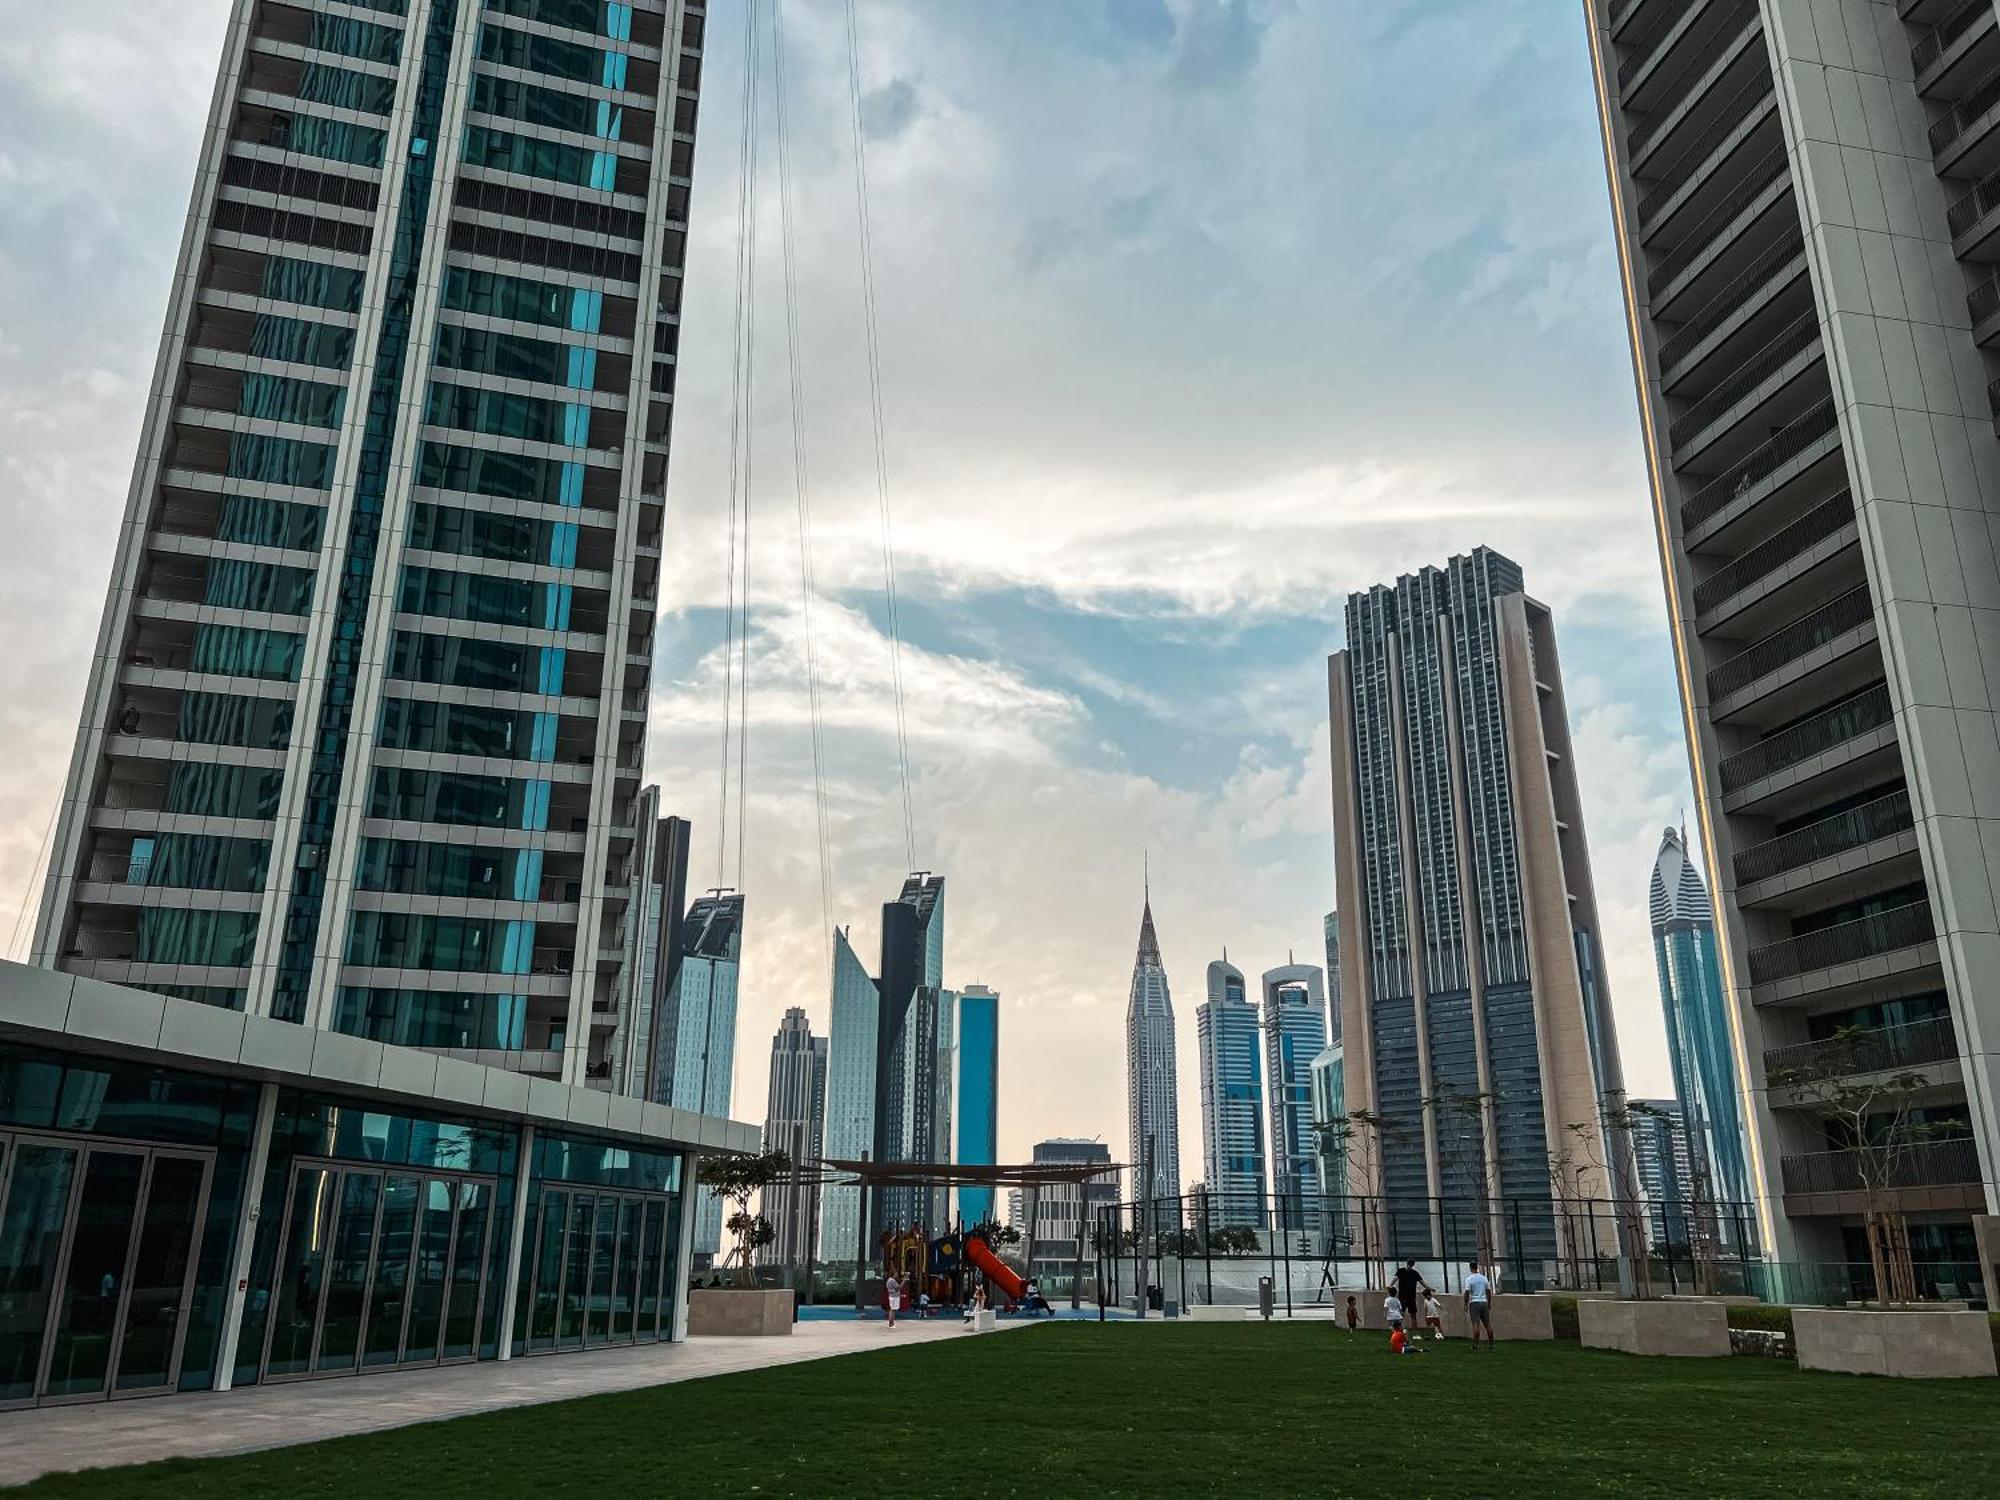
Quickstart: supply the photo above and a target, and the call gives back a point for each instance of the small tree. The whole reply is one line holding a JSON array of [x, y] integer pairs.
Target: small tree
[[1461, 1119], [1861, 1101], [1361, 1138], [737, 1179]]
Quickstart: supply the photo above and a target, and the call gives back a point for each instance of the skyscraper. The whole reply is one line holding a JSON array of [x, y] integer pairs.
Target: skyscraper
[[1062, 1211], [1232, 1099], [1294, 1024], [695, 1046], [1665, 1170], [977, 1132], [913, 1082], [1804, 201], [655, 906], [795, 1123], [1329, 1115], [1468, 923], [361, 740], [850, 1094], [1152, 1085], [1698, 1043], [1333, 976]]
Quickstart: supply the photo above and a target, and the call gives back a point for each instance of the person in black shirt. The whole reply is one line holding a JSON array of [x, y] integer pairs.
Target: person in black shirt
[[1408, 1283]]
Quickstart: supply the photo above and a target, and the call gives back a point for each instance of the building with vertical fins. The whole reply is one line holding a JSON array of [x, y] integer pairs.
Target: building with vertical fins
[[1664, 1160], [1804, 208], [696, 1043], [1232, 1100], [1333, 976], [1151, 1077], [657, 903], [795, 1123], [976, 1131], [1294, 1026], [851, 1066], [1469, 934], [1698, 1042], [913, 1046]]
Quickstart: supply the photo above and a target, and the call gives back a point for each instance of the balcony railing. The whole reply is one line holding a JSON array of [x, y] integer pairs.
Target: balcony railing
[[1804, 430], [1816, 525], [1983, 301], [1843, 943], [1974, 206], [1907, 1046], [1785, 256], [1646, 50], [1757, 180], [1931, 46], [1835, 835], [1711, 145], [1621, 11], [1926, 1164], [1681, 89], [1967, 112], [1797, 336], [1790, 642], [1849, 719]]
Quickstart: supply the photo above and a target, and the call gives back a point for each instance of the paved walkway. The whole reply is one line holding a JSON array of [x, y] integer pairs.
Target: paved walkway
[[204, 1424]]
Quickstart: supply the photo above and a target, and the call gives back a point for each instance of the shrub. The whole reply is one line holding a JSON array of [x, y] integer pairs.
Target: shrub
[[1562, 1314], [1761, 1315]]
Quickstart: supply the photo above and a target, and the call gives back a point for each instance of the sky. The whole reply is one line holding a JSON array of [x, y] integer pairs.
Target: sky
[[1194, 316]]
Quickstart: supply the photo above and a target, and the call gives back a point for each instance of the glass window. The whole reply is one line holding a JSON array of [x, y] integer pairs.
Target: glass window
[[323, 83], [280, 398], [334, 287], [275, 587], [224, 719], [240, 651], [299, 342], [269, 523], [433, 1018], [278, 460], [182, 936], [467, 729], [213, 790], [188, 861], [453, 797], [408, 940], [353, 38], [506, 476], [463, 870]]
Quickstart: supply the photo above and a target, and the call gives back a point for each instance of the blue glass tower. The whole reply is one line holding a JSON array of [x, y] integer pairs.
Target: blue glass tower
[[1697, 1029], [978, 1126], [1232, 1099]]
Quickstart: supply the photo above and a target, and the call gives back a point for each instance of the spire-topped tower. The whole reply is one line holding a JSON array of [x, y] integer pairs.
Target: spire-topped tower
[[1151, 1078]]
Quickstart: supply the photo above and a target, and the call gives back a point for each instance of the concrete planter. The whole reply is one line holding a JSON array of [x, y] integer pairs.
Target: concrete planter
[[1516, 1315], [1682, 1329], [739, 1313], [1216, 1312], [1928, 1345]]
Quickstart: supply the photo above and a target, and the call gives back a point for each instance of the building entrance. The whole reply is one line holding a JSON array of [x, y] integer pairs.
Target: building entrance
[[98, 1246], [599, 1262], [378, 1269]]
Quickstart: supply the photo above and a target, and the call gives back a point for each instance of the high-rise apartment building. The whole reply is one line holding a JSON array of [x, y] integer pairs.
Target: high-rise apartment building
[[852, 1033], [361, 741], [1333, 976], [1330, 1128], [1698, 1042], [976, 1132], [1294, 1026], [1663, 1159], [795, 1123], [1804, 201], [695, 1042], [1151, 1076], [656, 906], [1060, 1214], [914, 1049], [1469, 934], [1232, 1099]]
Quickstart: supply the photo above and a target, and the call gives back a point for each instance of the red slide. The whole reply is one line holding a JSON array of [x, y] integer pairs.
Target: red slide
[[981, 1255]]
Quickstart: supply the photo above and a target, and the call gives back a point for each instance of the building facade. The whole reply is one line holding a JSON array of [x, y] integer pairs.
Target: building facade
[[795, 1123], [1698, 1041], [360, 745], [915, 1050], [696, 1028], [977, 1130], [1294, 1026], [1151, 1075], [1469, 934], [1664, 1160], [1803, 206], [856, 1012], [657, 904], [1232, 1100], [1330, 1129], [1333, 976], [1060, 1214]]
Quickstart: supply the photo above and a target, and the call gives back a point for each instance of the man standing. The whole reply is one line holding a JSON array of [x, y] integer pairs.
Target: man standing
[[1408, 1284], [1479, 1304]]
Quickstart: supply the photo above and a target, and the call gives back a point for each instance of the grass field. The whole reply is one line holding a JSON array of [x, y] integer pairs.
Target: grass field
[[1084, 1409]]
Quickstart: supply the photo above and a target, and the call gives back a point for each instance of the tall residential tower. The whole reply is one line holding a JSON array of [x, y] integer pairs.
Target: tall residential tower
[[1151, 1079], [976, 1131], [795, 1123], [1232, 1099], [1806, 206], [1294, 1024]]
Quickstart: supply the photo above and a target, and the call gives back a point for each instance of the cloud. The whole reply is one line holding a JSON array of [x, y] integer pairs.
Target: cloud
[[889, 111]]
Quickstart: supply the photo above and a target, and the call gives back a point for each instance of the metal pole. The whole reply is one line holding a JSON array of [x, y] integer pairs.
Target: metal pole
[[861, 1243], [684, 1252], [1289, 1213], [1208, 1248], [1180, 1254], [517, 1230], [246, 1239]]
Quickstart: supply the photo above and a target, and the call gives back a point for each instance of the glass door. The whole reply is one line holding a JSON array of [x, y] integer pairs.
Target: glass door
[[468, 1271], [35, 1183], [300, 1274], [92, 1285], [160, 1284], [348, 1263], [548, 1271], [389, 1294], [429, 1275]]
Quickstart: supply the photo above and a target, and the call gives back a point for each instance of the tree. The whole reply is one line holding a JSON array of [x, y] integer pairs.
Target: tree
[[1233, 1239], [1362, 1137], [737, 1179], [1862, 1102], [1461, 1119]]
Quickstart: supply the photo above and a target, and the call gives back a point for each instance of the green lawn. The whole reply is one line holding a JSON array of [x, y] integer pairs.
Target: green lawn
[[1083, 1409]]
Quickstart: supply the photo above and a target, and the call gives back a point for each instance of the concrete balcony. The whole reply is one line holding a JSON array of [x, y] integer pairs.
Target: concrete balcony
[[1791, 455], [1681, 96], [1964, 142], [1847, 956], [1776, 677], [1861, 727], [1765, 390], [1697, 180], [1941, 1175], [1956, 51], [1735, 231], [1890, 1049], [1835, 858], [1768, 576], [1745, 312]]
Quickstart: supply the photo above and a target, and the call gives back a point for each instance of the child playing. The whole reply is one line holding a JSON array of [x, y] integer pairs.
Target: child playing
[[1433, 1315], [1353, 1314], [1392, 1311], [1401, 1343]]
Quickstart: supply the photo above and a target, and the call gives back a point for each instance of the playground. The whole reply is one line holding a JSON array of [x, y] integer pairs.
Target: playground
[[1129, 1408]]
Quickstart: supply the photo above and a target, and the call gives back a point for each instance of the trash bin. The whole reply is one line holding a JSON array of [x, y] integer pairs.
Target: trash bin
[[1155, 1299], [1266, 1297]]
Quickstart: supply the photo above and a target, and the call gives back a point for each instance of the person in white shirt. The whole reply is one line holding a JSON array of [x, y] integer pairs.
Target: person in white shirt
[[1479, 1304], [1433, 1316], [892, 1298], [1392, 1310]]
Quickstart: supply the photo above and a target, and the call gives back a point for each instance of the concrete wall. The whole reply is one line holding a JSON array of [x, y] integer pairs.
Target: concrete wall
[[1685, 1329], [1914, 1345], [725, 1311]]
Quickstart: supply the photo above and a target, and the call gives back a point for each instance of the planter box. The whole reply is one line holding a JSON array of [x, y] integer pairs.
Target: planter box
[[984, 1320], [1516, 1315], [1683, 1329], [1927, 1345], [1217, 1313], [730, 1312]]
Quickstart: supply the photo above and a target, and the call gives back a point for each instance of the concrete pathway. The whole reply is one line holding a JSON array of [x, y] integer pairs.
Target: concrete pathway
[[204, 1424]]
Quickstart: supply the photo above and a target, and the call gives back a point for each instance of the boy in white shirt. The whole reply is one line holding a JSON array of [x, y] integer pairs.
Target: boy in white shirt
[[1392, 1310], [1433, 1316]]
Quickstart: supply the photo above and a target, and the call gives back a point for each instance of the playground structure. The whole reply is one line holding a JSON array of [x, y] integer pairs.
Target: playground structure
[[951, 1268]]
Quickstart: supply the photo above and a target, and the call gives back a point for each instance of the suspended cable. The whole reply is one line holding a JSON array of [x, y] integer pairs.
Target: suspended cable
[[881, 446], [801, 484], [35, 873]]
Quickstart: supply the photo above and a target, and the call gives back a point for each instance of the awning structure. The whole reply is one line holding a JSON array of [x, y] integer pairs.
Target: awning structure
[[953, 1174]]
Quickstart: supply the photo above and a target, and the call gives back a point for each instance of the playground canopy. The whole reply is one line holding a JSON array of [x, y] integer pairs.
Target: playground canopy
[[953, 1174]]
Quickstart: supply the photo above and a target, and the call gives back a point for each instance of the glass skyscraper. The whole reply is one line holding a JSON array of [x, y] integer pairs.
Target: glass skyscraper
[[1232, 1099], [795, 1123], [696, 1028], [1698, 1042], [1151, 1074], [976, 1131], [850, 1094], [1294, 1026], [361, 742]]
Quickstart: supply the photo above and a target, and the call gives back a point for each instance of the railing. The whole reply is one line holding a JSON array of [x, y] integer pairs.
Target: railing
[[1966, 112], [1925, 1164], [1816, 525], [1721, 307], [1931, 46], [1843, 943], [1797, 336], [1993, 397], [1710, 145], [1974, 206], [1642, 55], [1790, 642], [1983, 301], [1905, 1046], [1767, 169], [1681, 88], [1835, 835], [1867, 710], [1809, 427]]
